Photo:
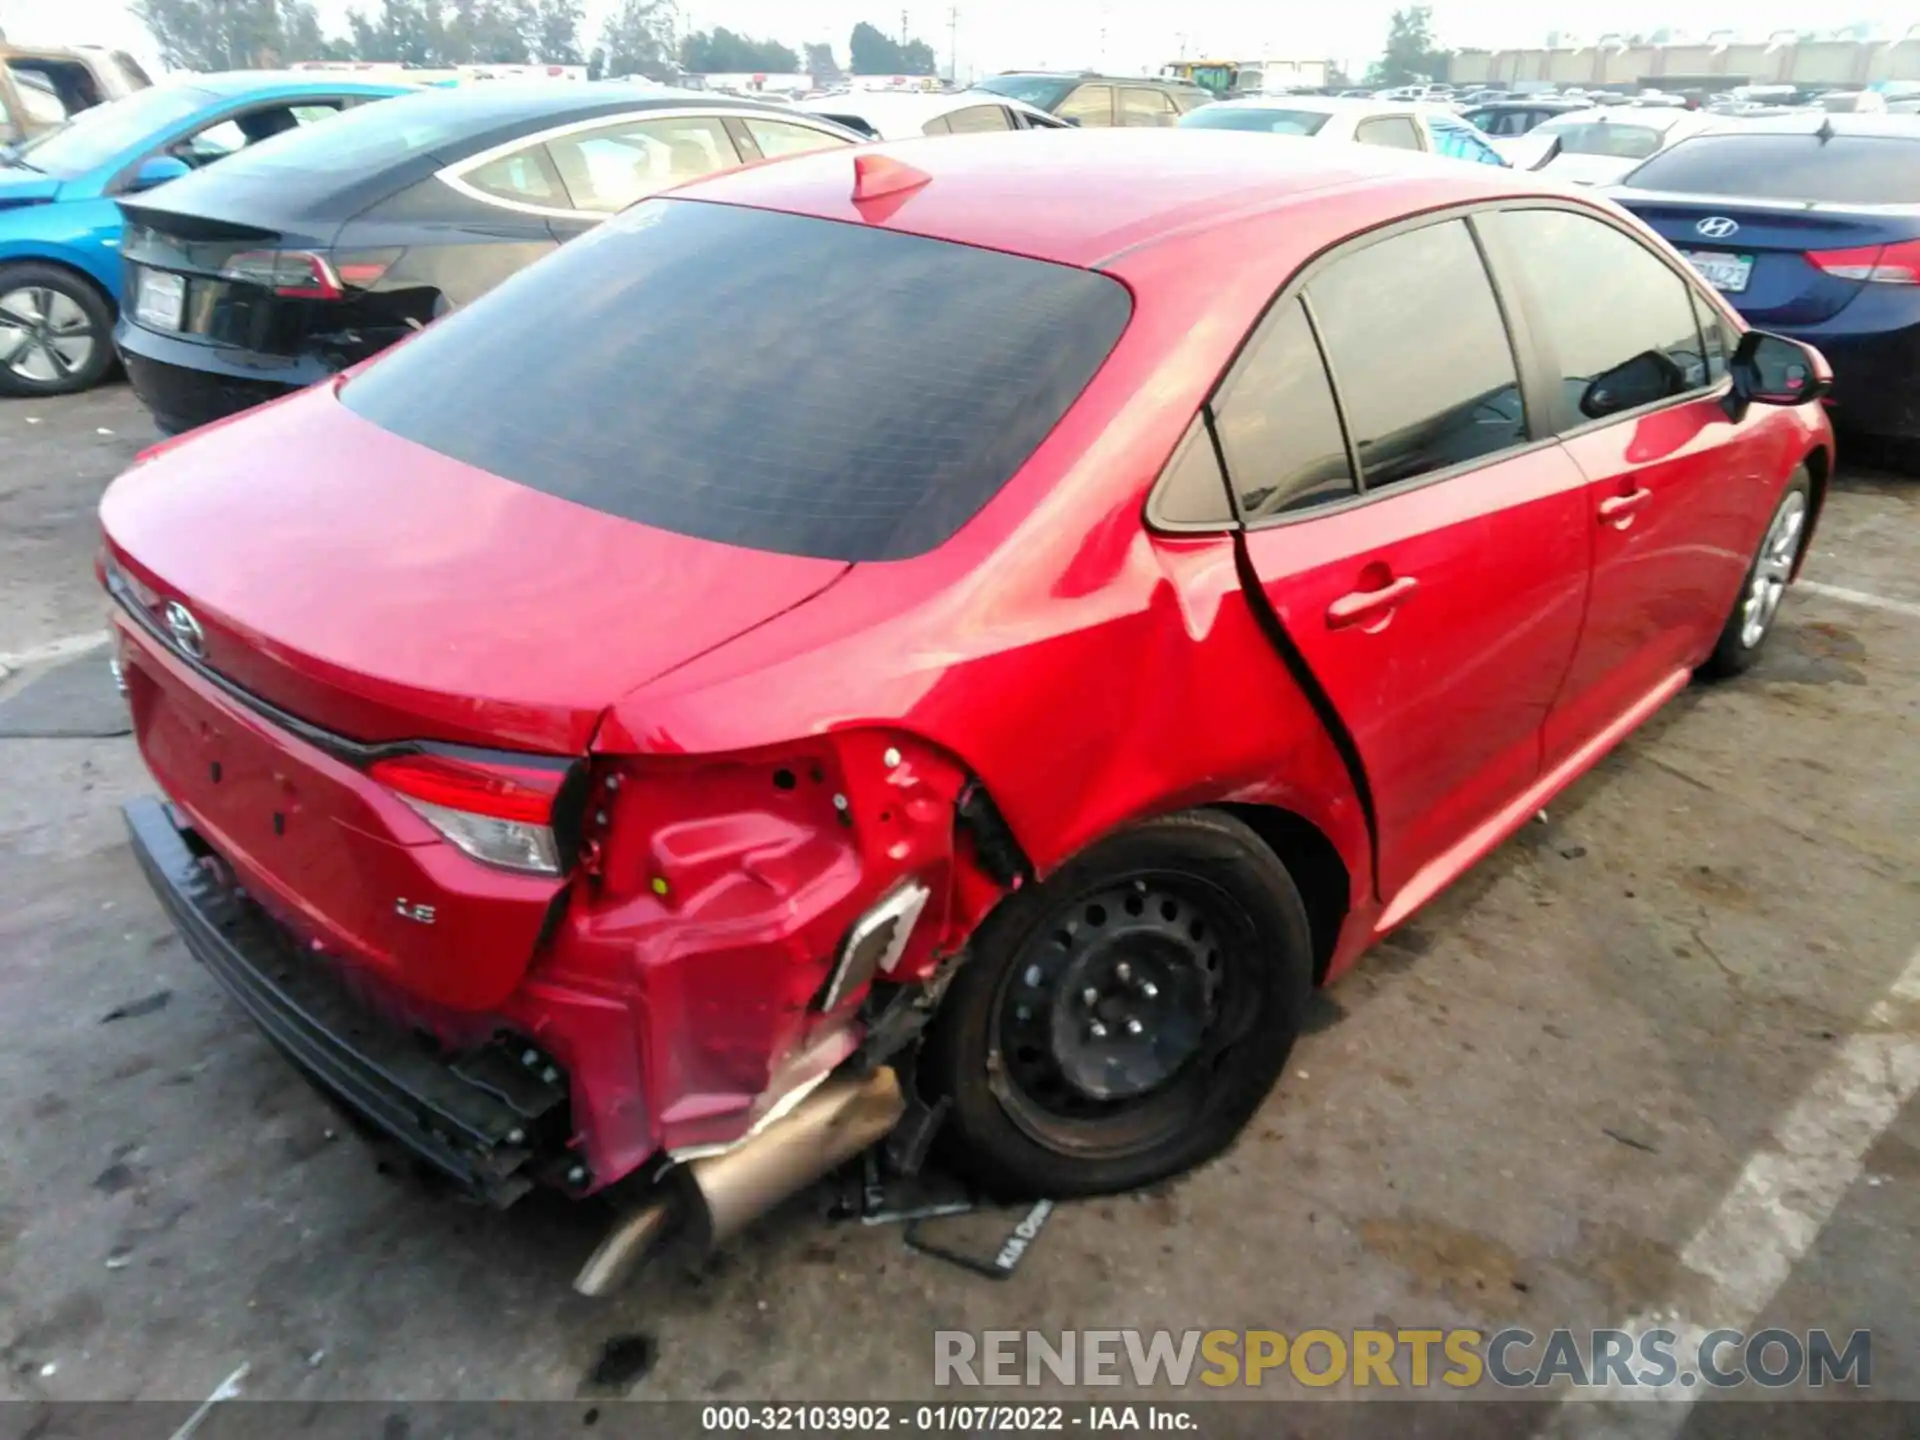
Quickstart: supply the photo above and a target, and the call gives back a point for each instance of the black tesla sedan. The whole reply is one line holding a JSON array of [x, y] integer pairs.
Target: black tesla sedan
[[295, 259]]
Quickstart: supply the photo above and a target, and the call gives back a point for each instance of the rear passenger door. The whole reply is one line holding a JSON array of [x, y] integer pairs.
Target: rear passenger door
[[1423, 549], [1677, 493]]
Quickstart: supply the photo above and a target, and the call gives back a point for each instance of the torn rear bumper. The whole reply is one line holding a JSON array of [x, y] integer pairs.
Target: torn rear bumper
[[484, 1137]]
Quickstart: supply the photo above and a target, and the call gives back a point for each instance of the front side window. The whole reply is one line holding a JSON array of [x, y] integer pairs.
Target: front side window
[[1420, 352], [653, 370], [607, 169], [1088, 106], [1604, 137], [1397, 132], [777, 138], [1146, 107], [1619, 322], [1277, 424]]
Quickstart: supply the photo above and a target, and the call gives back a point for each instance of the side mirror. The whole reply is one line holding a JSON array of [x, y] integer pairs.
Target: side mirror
[[1773, 370], [158, 170], [1647, 377], [1528, 152]]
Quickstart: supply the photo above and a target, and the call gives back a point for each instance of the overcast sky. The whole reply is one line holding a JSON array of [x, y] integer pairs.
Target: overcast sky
[[1001, 34]]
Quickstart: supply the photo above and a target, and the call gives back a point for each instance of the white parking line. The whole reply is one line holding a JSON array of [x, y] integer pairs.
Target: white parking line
[[53, 650], [1777, 1208], [1860, 597]]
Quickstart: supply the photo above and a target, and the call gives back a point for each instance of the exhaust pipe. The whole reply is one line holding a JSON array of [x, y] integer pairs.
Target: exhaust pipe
[[731, 1190]]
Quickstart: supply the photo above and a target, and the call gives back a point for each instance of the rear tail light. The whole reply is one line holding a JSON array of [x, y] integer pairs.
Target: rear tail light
[[309, 275], [1895, 264], [499, 813]]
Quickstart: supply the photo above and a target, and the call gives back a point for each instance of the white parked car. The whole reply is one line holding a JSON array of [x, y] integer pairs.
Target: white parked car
[[1396, 124], [898, 115], [1600, 146]]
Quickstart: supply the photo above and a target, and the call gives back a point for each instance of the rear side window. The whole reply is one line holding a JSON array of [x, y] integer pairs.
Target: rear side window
[[1140, 106], [776, 137], [1277, 424], [1845, 170], [1420, 353], [607, 169], [523, 177], [978, 118], [1394, 131], [1621, 324], [1089, 105], [756, 378]]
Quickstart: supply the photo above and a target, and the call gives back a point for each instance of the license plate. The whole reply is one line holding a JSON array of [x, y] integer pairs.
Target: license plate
[[162, 300], [1723, 271]]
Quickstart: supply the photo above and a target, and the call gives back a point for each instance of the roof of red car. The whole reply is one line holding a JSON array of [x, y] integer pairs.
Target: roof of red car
[[1080, 197]]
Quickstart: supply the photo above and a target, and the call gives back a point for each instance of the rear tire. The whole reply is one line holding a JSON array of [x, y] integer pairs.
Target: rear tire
[[1122, 1021], [1757, 605], [56, 331]]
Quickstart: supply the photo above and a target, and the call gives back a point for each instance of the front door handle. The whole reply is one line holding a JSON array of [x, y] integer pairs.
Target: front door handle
[[1361, 605], [1619, 509]]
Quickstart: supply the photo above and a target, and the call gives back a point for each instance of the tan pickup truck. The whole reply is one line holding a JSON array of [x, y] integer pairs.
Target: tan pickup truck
[[40, 88]]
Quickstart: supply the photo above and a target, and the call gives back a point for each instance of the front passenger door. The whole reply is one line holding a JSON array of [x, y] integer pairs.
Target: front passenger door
[[1676, 498], [1431, 568]]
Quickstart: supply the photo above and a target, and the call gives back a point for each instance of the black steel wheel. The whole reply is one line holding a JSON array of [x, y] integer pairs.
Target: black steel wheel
[[1120, 1022]]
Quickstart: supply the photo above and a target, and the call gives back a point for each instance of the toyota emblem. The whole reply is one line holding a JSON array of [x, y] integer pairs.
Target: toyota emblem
[[1717, 227], [186, 630]]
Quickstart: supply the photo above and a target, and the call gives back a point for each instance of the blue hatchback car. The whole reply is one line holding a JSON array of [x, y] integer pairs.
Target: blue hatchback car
[[1810, 225], [60, 228]]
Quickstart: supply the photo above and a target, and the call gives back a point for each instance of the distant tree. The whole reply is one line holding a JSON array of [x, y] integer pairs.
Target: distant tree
[[234, 34], [407, 32], [486, 32], [1411, 53], [721, 52], [556, 31], [635, 39], [821, 65], [874, 54]]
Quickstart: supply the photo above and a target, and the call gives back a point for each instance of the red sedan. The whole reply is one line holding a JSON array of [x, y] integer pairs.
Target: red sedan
[[956, 641]]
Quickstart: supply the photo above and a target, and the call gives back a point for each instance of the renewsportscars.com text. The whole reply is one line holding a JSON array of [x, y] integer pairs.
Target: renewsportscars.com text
[[1510, 1359]]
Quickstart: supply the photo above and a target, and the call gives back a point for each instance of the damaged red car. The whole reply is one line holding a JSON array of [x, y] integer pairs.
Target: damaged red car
[[952, 643]]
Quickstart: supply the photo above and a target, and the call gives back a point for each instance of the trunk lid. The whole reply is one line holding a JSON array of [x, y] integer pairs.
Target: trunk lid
[[1768, 245], [381, 591]]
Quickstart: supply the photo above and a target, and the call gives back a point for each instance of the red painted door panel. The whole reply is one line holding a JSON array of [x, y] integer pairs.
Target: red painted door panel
[[1671, 499], [1440, 621]]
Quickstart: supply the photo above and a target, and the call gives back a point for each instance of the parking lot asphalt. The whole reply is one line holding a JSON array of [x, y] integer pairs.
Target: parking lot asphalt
[[1549, 1101]]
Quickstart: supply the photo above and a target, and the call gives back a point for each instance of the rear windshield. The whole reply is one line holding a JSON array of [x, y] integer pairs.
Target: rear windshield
[[1844, 170], [1254, 117], [756, 378]]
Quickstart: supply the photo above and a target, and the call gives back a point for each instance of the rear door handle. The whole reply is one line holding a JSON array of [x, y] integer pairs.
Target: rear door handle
[[1617, 509], [1360, 605]]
